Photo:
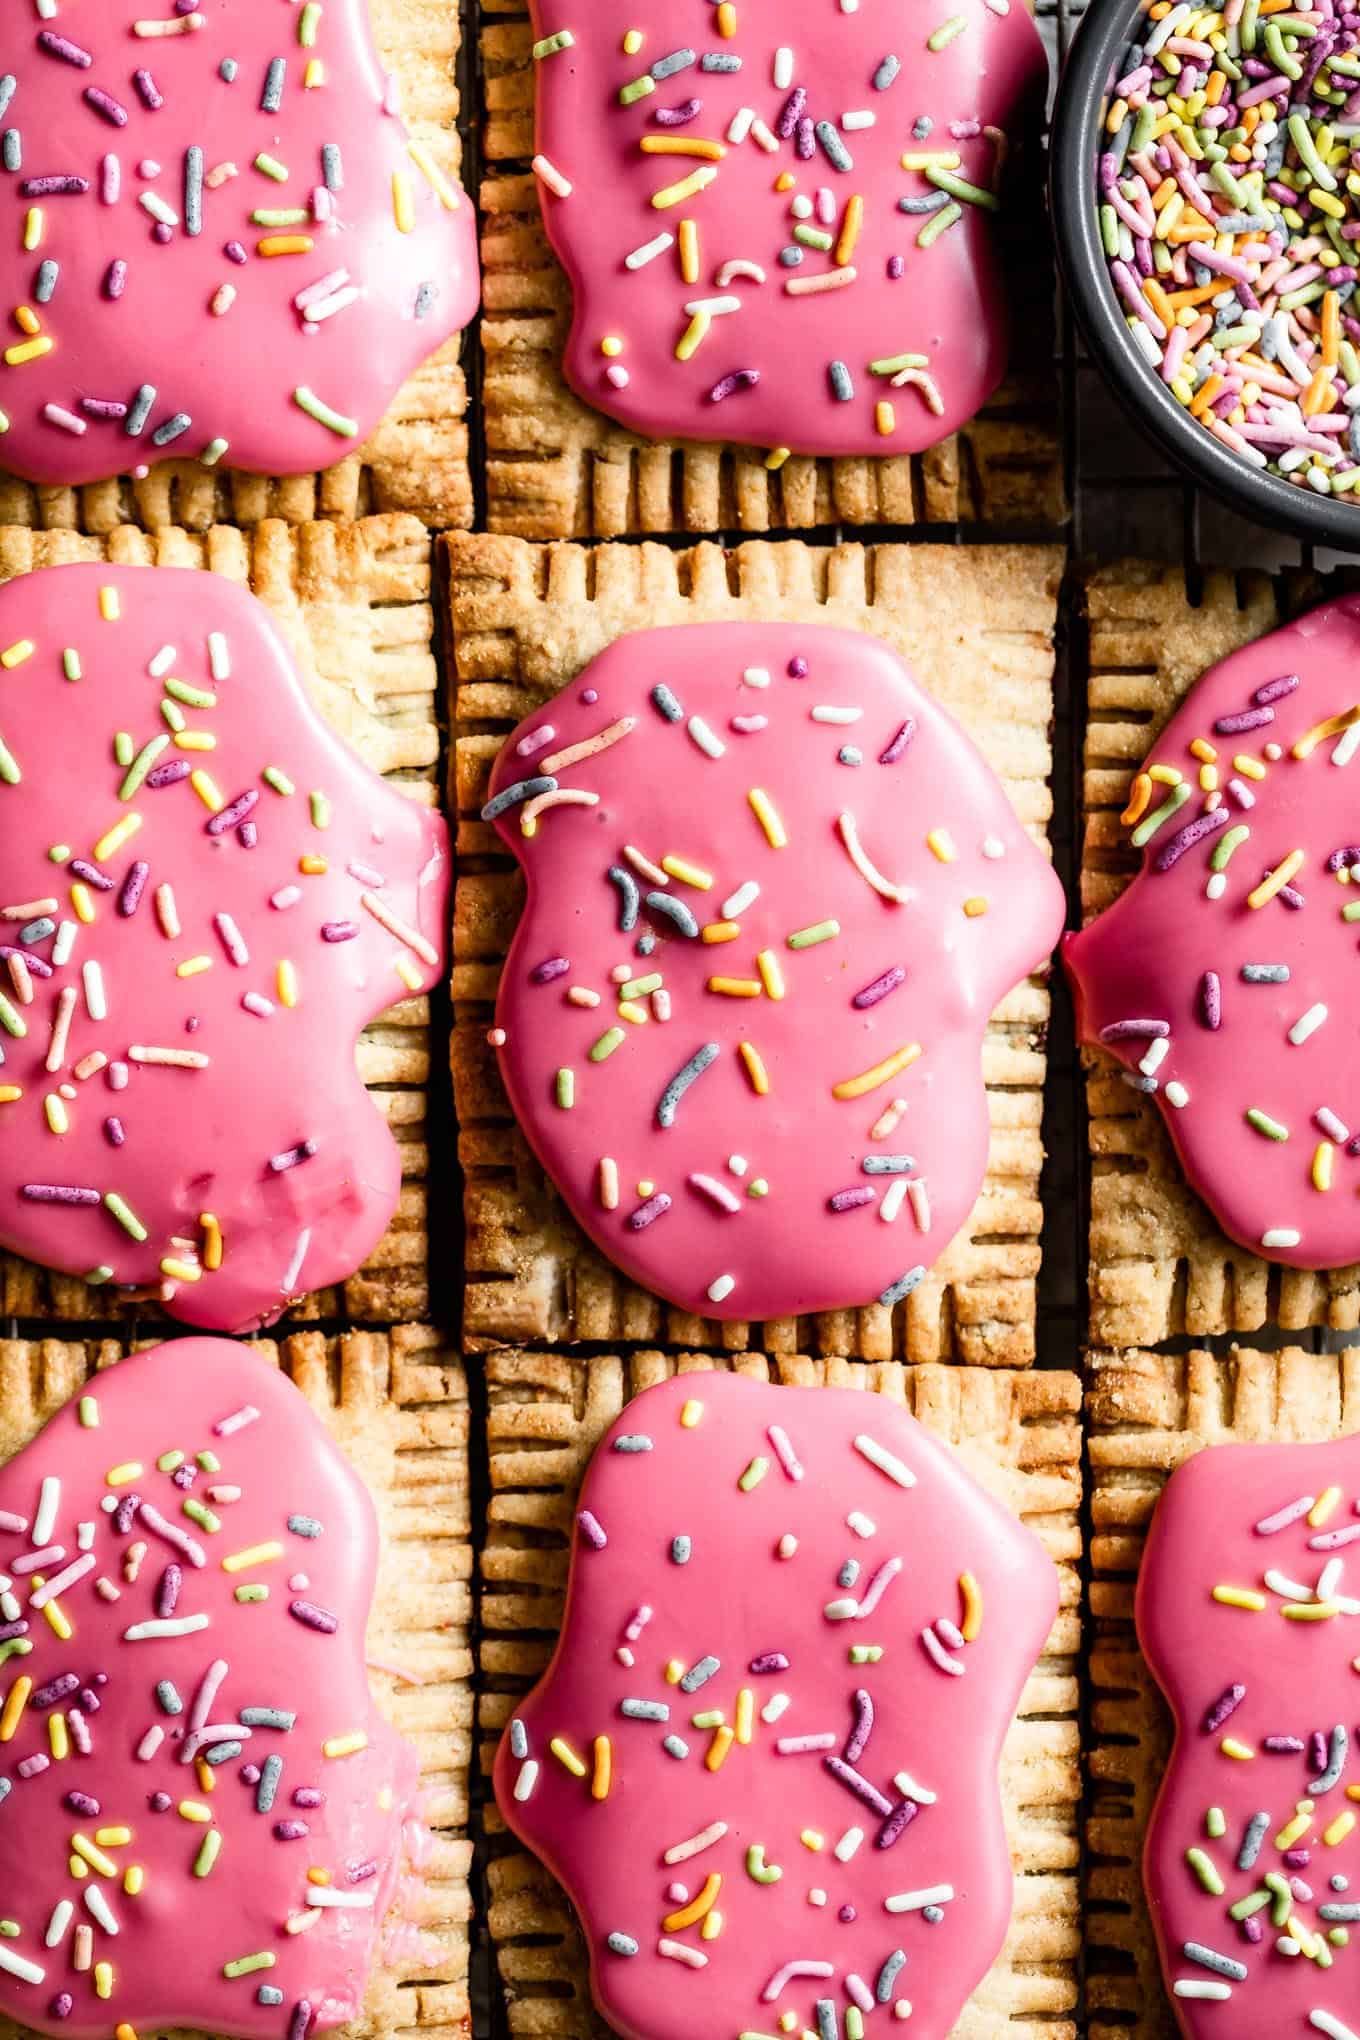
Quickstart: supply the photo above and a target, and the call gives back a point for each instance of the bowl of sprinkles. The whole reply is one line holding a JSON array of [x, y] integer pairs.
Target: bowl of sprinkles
[[1206, 200]]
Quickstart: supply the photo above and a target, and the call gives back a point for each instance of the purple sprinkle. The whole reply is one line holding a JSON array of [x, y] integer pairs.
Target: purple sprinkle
[[1302, 1892], [1318, 1747], [791, 112], [167, 1590], [859, 1785], [300, 2022], [184, 1476], [806, 140], [655, 1207], [1289, 895], [1298, 1859], [798, 668], [307, 1795], [250, 1774], [1227, 1703], [81, 1802], [80, 867], [62, 2005], [1210, 999], [339, 931], [1135, 1030], [1186, 838], [54, 187], [313, 1617], [897, 1823], [848, 1200], [169, 774], [291, 1157], [678, 116], [359, 1873], [62, 46], [160, 1802], [747, 725], [1283, 1745], [57, 1689], [234, 252], [291, 1830], [897, 268], [898, 744], [589, 696], [769, 1661], [126, 1513], [1275, 690], [134, 885], [58, 1193], [235, 811], [739, 379], [146, 85], [880, 987], [1345, 858], [115, 283], [8, 1630], [105, 103], [552, 967], [846, 1914], [38, 965], [114, 1131], [858, 1740], [1252, 1930], [247, 835], [1246, 719], [591, 1529], [32, 1766], [104, 407]]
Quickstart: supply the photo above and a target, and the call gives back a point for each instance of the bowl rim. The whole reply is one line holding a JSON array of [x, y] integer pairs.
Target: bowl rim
[[1101, 32]]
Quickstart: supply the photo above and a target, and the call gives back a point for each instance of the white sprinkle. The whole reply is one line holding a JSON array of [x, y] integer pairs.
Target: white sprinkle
[[680, 1852], [909, 1789], [649, 251], [825, 713], [738, 1164], [763, 137], [527, 1779], [783, 68], [859, 117], [1191, 1987], [326, 1895], [1327, 2022], [741, 124], [17, 1965], [59, 1922], [44, 1522], [100, 1907], [737, 903], [549, 174], [1287, 1589], [1158, 1051], [1176, 1094], [892, 1200], [96, 1003], [886, 1462], [177, 1625], [848, 1843], [711, 746], [756, 676], [1309, 1022], [219, 657], [293, 1272], [676, 1951], [1281, 1236], [163, 661], [1346, 745], [1329, 1579], [721, 1288], [775, 1706], [64, 944], [913, 1901], [713, 307], [862, 1525]]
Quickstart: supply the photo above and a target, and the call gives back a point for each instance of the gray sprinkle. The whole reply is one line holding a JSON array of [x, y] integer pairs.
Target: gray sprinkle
[[268, 1717], [425, 299], [681, 1547], [828, 2025], [1252, 1840], [269, 1994], [638, 1442], [1209, 1958], [924, 205], [169, 1700], [510, 796], [622, 1944], [270, 1773], [673, 1747], [1265, 973], [678, 60], [12, 149], [139, 410], [304, 1526], [332, 166], [886, 72], [1339, 1912], [888, 1975], [837, 154], [663, 699], [717, 60], [792, 258], [842, 383], [271, 99], [933, 1914], [896, 1291], [222, 1753], [700, 1674], [645, 1710], [227, 70], [848, 1574], [519, 1739], [888, 1165], [850, 754], [46, 283]]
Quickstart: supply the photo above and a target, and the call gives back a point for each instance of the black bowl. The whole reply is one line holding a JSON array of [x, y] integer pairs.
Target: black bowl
[[1093, 64]]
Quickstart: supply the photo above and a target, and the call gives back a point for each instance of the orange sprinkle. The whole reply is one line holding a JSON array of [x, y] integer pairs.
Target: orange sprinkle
[[1139, 796]]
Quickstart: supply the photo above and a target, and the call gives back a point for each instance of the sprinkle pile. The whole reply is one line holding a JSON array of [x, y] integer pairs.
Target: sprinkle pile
[[764, 1758], [224, 246], [1219, 978], [795, 248], [189, 1754], [1229, 198], [204, 896], [1253, 1857], [774, 895]]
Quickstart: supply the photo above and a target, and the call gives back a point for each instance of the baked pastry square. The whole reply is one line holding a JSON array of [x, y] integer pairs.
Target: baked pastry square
[[354, 602], [558, 469], [1017, 1433], [975, 624]]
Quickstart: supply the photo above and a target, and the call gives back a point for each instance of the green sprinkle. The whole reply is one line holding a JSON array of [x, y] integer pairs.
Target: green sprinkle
[[1252, 1903], [638, 988], [551, 44], [1205, 1871], [246, 1965], [808, 938], [70, 664], [946, 32], [254, 1592], [141, 765], [1215, 1826], [959, 187], [1351, 912], [1150, 824], [208, 1853], [1278, 1886], [280, 216], [10, 1929], [813, 237], [757, 1187], [712, 1717], [1280, 56], [758, 1868], [612, 1038], [99, 1275], [637, 89], [271, 167], [939, 223], [754, 1474], [1322, 1955], [17, 1646], [192, 697], [208, 1462], [125, 1215], [1339, 1937], [88, 1408], [9, 768], [205, 1518], [1263, 1123], [213, 452], [11, 1019], [123, 749], [174, 717], [60, 853], [854, 2023], [280, 781], [168, 1461], [1227, 843], [334, 421], [308, 22], [865, 1653], [566, 1089], [321, 810], [893, 364]]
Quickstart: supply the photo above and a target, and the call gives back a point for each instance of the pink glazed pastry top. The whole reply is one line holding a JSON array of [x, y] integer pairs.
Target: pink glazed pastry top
[[763, 1760], [777, 215], [1214, 978], [1247, 1615], [774, 895], [204, 896], [203, 1817], [223, 244]]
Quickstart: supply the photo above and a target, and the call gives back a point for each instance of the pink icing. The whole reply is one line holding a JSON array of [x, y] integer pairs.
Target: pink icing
[[942, 303], [1236, 1677], [759, 1471], [1146, 959], [229, 1133], [136, 300], [175, 1936], [777, 1200]]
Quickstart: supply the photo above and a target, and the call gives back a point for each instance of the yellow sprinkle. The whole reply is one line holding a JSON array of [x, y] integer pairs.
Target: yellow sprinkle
[[446, 194], [207, 1777], [195, 740], [691, 1914], [207, 790], [76, 1867], [1323, 1507], [941, 845], [736, 988], [975, 905], [16, 654], [691, 1413], [690, 341], [109, 607], [1293, 1830], [1250, 768], [10, 1093], [28, 350], [113, 1837], [314, 75], [776, 458], [318, 1876], [134, 1877], [15, 1702], [113, 839], [1240, 1597], [103, 1979], [193, 966], [688, 874], [1338, 1829], [811, 1839], [767, 814], [83, 1847], [746, 1702], [611, 346], [403, 205], [857, 1087], [971, 1595], [1309, 1611], [254, 1554], [1333, 727], [33, 231], [58, 1120], [212, 1241], [688, 187], [1322, 1165], [1240, 1751], [1274, 880], [567, 1756], [771, 976], [81, 902], [757, 1074], [58, 1736], [1165, 775], [345, 1745], [56, 1617], [675, 1672], [286, 983], [727, 18], [632, 42], [604, 1768], [193, 1809], [723, 1738], [312, 866], [683, 145], [720, 931], [710, 1928], [688, 250], [120, 1475]]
